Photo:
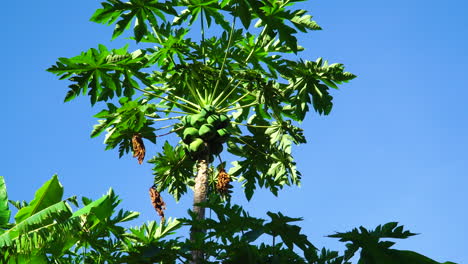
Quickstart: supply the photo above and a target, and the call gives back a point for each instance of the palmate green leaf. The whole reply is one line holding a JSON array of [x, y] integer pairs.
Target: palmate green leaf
[[266, 156], [244, 13], [379, 255], [141, 10], [374, 251], [211, 11], [122, 123], [272, 170], [173, 170], [152, 232], [290, 234], [388, 230], [174, 46], [324, 256], [99, 210], [275, 15], [313, 80], [410, 257], [145, 244], [4, 209], [100, 73], [304, 22], [49, 194]]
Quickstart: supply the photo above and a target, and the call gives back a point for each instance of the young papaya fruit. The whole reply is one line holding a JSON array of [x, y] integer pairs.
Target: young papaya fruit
[[197, 145], [209, 109], [197, 120], [223, 135], [190, 133], [222, 132], [223, 121], [207, 131], [214, 120], [216, 148], [186, 120]]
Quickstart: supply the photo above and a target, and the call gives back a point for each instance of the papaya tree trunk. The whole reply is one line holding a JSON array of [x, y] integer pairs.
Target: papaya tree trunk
[[200, 193]]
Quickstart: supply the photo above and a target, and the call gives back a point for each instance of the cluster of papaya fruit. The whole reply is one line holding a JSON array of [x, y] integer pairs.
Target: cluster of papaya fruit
[[205, 132]]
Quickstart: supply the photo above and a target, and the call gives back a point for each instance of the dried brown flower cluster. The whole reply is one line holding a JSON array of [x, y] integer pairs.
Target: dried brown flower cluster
[[157, 202], [138, 148], [223, 185]]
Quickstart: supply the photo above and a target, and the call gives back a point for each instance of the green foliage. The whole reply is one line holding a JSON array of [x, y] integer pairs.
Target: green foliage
[[173, 163], [4, 209], [50, 193], [121, 123], [93, 234], [243, 86], [244, 74], [374, 251], [99, 74], [48, 228]]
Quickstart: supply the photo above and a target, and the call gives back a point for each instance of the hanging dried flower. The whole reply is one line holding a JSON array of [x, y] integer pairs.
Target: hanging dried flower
[[157, 202], [223, 185], [138, 148]]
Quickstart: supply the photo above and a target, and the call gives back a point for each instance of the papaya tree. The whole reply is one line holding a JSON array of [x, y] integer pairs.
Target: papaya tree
[[223, 76]]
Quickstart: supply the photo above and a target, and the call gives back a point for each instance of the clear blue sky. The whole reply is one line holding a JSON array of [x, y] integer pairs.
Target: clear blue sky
[[393, 149]]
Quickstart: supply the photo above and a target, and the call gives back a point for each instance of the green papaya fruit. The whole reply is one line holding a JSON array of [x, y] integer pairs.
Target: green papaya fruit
[[204, 113], [197, 146], [207, 131], [209, 109], [190, 133], [216, 148], [197, 120], [186, 120], [223, 135], [223, 121], [214, 120]]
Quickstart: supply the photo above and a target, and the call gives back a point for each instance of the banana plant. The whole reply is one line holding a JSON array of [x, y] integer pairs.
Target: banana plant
[[223, 76], [47, 228]]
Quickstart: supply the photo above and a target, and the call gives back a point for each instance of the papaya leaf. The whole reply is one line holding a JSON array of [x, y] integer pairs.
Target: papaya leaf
[[99, 210], [411, 257], [112, 10], [173, 170], [100, 73]]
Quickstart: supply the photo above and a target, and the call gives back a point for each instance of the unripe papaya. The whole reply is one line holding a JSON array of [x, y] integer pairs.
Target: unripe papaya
[[223, 121], [204, 113], [209, 109], [197, 145], [222, 132], [186, 120], [207, 131], [214, 120], [190, 133], [216, 148], [223, 135], [197, 120]]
